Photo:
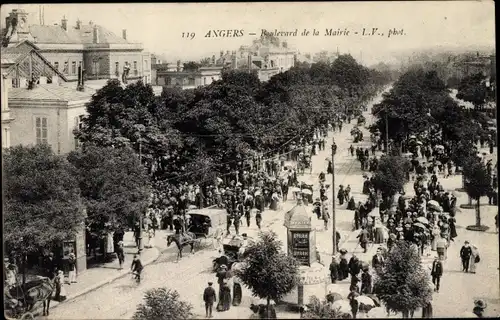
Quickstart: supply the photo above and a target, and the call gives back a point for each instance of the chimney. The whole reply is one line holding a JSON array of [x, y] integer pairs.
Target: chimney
[[124, 34], [95, 38], [64, 23], [213, 59], [78, 24], [79, 86]]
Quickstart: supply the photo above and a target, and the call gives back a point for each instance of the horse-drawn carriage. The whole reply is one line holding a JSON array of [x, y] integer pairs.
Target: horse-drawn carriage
[[205, 222], [21, 302]]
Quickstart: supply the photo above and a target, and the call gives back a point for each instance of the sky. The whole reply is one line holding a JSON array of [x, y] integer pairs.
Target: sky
[[159, 26]]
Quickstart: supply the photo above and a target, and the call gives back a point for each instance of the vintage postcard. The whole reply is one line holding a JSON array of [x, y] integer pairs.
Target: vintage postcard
[[256, 160]]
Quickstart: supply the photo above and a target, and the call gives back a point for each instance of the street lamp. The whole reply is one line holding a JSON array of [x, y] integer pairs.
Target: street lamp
[[334, 229], [140, 128]]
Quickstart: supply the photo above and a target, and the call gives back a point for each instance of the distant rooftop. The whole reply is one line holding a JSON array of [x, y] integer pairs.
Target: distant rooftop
[[50, 92]]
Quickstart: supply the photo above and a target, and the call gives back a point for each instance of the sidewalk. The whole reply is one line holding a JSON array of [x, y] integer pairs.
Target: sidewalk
[[96, 277]]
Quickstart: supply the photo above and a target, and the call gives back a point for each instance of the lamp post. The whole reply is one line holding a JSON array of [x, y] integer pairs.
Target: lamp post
[[334, 229], [140, 128]]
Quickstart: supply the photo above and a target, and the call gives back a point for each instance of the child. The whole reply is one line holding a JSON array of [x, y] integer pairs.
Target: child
[[60, 291]]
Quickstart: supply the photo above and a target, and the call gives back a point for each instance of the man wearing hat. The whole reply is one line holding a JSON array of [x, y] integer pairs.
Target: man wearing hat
[[465, 253], [436, 272], [209, 297]]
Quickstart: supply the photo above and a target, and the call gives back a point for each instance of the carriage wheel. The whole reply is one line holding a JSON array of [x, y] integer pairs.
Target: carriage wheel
[[28, 316]]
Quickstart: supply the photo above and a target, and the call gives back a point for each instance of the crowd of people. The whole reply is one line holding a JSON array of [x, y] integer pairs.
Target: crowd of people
[[427, 219]]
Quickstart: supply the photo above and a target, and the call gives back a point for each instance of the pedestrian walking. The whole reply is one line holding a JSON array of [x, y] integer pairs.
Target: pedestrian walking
[[120, 254], [258, 218], [427, 310], [71, 268], [441, 245], [136, 268], [209, 297], [341, 195], [353, 302], [334, 270], [474, 259], [436, 273], [465, 254], [363, 238], [366, 281]]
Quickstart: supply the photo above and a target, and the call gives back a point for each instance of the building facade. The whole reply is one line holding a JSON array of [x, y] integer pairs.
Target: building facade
[[186, 79], [100, 52], [47, 113]]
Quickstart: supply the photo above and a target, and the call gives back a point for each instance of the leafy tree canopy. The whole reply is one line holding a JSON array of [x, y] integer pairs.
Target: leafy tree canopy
[[42, 200], [477, 179], [473, 89], [390, 175], [269, 273], [163, 303], [403, 284], [113, 184]]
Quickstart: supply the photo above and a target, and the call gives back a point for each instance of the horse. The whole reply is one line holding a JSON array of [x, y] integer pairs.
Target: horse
[[188, 238], [36, 291]]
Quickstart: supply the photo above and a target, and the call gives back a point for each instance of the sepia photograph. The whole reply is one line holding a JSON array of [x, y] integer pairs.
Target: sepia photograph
[[259, 160]]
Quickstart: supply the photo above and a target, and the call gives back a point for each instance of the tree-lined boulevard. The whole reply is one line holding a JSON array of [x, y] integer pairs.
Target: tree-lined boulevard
[[252, 149]]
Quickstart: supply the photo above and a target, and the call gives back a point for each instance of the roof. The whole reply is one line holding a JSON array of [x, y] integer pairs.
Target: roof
[[49, 92], [14, 55], [84, 35]]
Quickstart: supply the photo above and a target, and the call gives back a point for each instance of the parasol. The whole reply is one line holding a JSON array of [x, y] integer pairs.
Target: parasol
[[423, 220], [192, 206], [187, 216], [419, 143], [295, 189], [367, 301], [306, 191], [257, 193], [433, 203], [228, 193], [258, 301], [375, 299], [333, 296], [419, 225], [408, 154], [439, 147], [412, 137], [342, 306]]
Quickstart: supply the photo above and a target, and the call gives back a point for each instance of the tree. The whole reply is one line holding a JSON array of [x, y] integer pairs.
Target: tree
[[42, 200], [191, 66], [317, 309], [473, 89], [403, 283], [163, 303], [390, 176], [268, 272], [113, 184], [477, 185]]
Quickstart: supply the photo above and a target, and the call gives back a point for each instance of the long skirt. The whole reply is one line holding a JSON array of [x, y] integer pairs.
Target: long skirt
[[274, 205], [237, 294], [343, 269], [472, 263]]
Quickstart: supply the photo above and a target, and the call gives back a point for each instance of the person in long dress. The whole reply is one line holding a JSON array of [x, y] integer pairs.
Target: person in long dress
[[473, 257], [435, 237], [237, 293], [225, 298], [151, 243]]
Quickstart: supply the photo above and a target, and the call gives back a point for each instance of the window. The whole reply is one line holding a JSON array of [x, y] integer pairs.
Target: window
[[41, 130], [73, 67], [135, 68], [78, 126], [65, 69], [117, 68], [56, 65], [145, 65]]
